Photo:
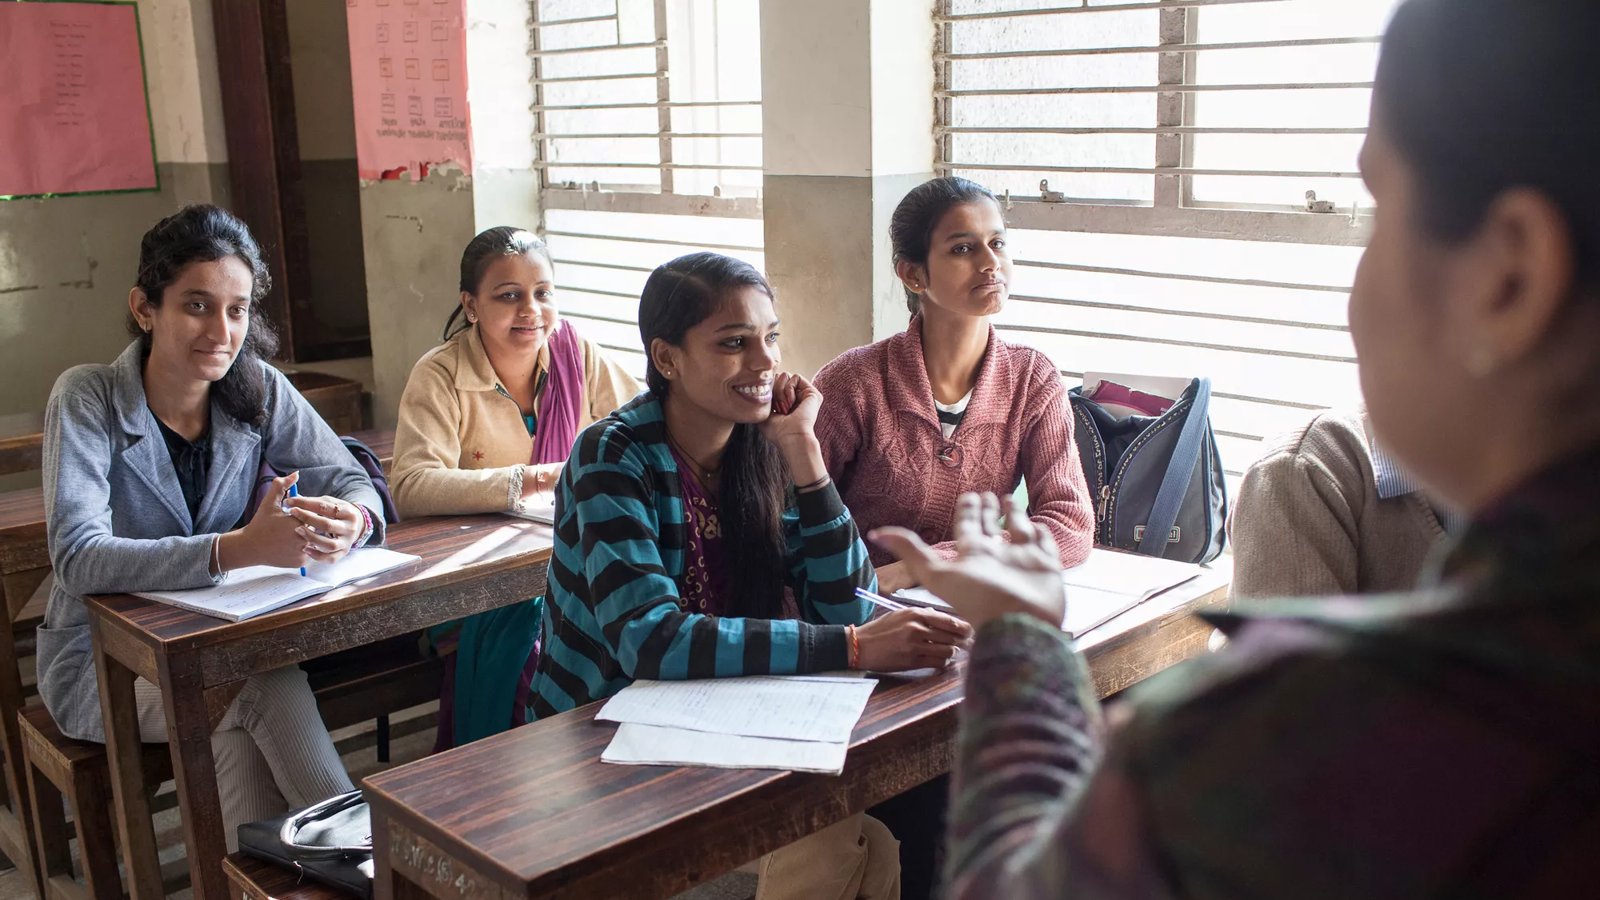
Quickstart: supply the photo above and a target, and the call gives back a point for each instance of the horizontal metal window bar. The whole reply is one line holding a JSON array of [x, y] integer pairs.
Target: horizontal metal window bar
[[1242, 398], [574, 314], [1129, 129], [596, 48], [1070, 10], [642, 240], [619, 198], [1136, 170], [1237, 435], [1168, 48], [583, 290], [1172, 342], [579, 79], [652, 104], [638, 352], [1174, 276], [556, 23], [652, 135], [1179, 313], [564, 261], [643, 165], [1157, 89]]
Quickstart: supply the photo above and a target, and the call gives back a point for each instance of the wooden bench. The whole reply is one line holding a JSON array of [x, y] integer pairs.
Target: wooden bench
[[254, 879], [58, 767], [21, 439], [350, 687]]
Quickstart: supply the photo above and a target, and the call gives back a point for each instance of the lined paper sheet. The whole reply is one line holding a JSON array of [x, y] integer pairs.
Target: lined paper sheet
[[802, 708], [1102, 587], [652, 745]]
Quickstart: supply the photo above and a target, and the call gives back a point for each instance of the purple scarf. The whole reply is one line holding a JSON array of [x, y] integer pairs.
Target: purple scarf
[[563, 396]]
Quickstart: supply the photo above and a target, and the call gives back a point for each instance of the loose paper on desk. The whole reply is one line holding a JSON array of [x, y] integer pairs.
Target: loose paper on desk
[[1102, 587], [253, 590], [652, 745], [797, 707], [540, 507]]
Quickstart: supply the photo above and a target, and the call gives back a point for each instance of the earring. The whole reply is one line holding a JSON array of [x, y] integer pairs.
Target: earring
[[472, 319]]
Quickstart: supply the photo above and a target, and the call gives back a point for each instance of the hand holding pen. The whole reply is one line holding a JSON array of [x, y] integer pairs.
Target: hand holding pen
[[272, 537], [908, 637]]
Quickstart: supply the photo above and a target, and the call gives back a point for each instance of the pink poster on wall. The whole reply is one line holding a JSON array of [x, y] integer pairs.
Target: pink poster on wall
[[73, 113], [408, 71]]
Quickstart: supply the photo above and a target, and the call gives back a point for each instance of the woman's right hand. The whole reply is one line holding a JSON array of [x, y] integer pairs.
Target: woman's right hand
[[910, 639], [270, 538]]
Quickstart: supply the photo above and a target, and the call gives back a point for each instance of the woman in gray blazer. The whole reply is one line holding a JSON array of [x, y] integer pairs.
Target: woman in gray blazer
[[150, 464]]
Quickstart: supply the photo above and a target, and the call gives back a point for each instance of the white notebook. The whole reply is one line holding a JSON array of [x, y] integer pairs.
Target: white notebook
[[253, 590], [537, 508]]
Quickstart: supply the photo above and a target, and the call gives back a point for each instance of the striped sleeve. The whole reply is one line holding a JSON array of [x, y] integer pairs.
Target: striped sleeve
[[827, 562], [633, 602]]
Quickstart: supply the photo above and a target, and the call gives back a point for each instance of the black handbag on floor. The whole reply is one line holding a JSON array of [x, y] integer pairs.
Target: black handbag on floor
[[330, 842], [1157, 481]]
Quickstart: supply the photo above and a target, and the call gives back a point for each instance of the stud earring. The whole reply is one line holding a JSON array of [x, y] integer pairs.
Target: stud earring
[[472, 319]]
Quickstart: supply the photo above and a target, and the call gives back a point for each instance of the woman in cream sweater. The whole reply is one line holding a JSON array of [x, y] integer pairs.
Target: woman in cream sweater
[[486, 422]]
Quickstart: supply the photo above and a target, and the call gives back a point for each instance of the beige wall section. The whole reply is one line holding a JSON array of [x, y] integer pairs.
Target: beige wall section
[[180, 58], [847, 129], [413, 235], [66, 265]]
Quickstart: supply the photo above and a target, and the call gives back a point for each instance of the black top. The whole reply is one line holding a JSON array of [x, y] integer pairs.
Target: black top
[[189, 464]]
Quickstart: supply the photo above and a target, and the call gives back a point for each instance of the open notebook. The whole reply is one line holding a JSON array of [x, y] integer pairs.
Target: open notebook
[[1102, 587], [253, 590], [538, 508]]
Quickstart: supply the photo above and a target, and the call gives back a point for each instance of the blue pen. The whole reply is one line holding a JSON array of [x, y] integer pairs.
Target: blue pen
[[294, 491]]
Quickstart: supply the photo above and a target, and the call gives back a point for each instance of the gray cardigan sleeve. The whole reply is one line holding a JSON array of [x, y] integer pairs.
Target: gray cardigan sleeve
[[86, 556]]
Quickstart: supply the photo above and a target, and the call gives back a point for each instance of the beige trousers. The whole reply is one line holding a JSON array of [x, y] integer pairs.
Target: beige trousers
[[856, 859], [272, 751]]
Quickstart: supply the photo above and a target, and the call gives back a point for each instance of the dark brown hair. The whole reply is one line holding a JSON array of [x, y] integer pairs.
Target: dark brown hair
[[911, 227], [755, 482], [205, 233]]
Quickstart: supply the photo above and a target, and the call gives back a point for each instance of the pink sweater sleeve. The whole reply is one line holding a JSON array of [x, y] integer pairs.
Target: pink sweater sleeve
[[841, 422]]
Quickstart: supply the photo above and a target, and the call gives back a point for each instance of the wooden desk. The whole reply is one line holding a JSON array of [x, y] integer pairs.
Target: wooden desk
[[469, 565], [24, 563], [21, 437], [534, 813]]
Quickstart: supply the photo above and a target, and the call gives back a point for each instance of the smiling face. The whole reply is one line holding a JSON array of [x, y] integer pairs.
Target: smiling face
[[200, 322], [725, 365], [968, 272], [515, 306]]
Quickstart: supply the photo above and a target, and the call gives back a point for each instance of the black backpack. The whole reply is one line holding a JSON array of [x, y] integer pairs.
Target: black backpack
[[1157, 481]]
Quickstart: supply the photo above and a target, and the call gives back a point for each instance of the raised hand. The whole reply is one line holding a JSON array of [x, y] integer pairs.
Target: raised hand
[[991, 574]]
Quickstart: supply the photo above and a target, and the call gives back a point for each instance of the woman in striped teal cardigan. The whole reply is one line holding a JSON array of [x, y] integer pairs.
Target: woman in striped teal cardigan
[[686, 517]]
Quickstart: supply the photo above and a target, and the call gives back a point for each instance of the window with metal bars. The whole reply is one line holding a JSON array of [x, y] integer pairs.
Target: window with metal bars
[[648, 137], [1156, 159]]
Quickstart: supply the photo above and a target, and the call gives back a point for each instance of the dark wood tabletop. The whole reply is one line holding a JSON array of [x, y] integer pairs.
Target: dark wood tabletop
[[534, 813], [468, 565]]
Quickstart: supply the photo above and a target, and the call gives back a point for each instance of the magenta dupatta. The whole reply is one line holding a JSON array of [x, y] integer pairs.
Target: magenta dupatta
[[563, 396]]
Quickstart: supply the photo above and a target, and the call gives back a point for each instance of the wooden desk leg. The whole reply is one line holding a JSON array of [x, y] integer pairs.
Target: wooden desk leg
[[383, 877], [127, 773], [13, 787], [194, 769]]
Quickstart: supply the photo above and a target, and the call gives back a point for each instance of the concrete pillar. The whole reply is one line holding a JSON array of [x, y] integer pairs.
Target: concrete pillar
[[414, 233], [847, 130]]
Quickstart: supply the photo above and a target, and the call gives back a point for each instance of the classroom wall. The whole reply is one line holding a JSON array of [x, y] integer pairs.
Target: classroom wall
[[847, 130], [66, 264], [319, 48]]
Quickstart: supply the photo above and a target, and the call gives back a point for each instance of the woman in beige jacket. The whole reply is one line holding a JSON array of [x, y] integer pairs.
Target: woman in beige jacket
[[486, 422]]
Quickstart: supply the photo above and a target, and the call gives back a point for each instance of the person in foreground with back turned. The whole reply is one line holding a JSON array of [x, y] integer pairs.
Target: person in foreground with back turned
[[1436, 743], [684, 518]]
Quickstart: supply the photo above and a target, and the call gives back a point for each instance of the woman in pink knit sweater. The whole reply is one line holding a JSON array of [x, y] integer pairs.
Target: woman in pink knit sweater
[[911, 423]]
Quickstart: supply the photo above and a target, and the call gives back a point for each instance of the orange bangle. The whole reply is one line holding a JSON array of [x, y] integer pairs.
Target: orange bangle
[[855, 648]]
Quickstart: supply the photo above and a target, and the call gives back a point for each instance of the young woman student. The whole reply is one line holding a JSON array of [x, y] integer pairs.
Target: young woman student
[[486, 421], [150, 464], [687, 517], [910, 423], [1436, 743]]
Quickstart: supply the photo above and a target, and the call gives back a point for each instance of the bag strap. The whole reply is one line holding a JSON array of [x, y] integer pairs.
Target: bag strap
[[1180, 471], [289, 834]]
